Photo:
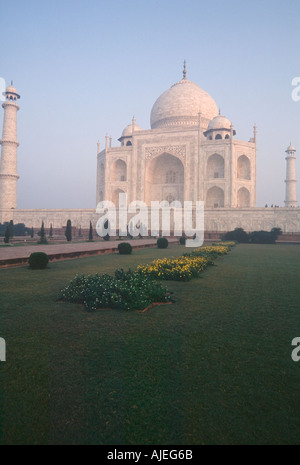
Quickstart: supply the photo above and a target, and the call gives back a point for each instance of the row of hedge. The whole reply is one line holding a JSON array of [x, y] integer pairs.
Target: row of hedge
[[255, 237]]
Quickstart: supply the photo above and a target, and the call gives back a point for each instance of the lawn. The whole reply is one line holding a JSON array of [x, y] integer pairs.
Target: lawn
[[215, 367]]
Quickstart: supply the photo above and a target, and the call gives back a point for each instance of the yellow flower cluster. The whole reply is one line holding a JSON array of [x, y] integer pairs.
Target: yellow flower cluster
[[181, 268], [212, 249], [187, 266], [226, 244]]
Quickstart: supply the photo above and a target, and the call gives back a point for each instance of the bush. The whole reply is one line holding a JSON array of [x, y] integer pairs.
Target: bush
[[262, 237], [162, 243], [124, 248], [238, 235], [38, 260], [276, 231], [182, 240]]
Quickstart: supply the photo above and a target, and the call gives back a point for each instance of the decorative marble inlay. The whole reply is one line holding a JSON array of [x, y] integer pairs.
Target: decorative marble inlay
[[177, 150]]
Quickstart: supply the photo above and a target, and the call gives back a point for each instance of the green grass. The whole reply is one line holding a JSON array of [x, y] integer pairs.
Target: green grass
[[213, 368]]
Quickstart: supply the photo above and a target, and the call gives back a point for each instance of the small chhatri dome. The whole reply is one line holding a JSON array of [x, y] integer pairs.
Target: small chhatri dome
[[290, 148], [127, 132], [181, 104], [12, 90], [219, 122]]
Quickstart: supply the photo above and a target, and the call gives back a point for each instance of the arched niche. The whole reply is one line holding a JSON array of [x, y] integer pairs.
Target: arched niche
[[243, 197], [214, 197], [243, 167], [215, 166], [119, 171]]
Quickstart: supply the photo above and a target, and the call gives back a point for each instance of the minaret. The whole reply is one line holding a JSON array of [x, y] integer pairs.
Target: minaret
[[9, 143], [290, 187]]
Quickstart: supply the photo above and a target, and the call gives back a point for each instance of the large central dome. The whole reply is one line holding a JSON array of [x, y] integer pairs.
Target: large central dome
[[179, 106]]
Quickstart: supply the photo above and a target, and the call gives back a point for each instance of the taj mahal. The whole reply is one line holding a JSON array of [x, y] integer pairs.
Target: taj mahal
[[190, 152]]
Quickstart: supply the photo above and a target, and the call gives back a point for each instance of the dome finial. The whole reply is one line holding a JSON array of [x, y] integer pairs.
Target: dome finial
[[219, 111], [184, 69]]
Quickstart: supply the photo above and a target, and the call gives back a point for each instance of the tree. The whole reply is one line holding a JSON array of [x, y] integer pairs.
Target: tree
[[80, 233], [51, 231], [32, 233], [11, 228], [42, 235], [106, 226], [91, 232], [42, 231], [7, 235], [68, 232]]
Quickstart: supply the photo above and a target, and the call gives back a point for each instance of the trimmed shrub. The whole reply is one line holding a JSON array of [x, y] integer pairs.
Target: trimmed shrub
[[38, 260], [162, 243], [124, 248], [182, 240]]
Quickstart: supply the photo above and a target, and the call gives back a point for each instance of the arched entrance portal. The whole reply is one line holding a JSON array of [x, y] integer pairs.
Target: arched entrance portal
[[164, 179]]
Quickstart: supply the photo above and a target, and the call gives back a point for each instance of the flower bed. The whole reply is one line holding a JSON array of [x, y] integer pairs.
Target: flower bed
[[211, 252], [186, 267], [126, 290], [181, 268], [229, 244], [137, 290]]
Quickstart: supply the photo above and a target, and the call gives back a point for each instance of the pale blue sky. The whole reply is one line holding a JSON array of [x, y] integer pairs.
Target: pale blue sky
[[84, 68]]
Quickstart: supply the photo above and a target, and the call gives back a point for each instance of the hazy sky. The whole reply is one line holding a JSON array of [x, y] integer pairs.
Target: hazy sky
[[84, 68]]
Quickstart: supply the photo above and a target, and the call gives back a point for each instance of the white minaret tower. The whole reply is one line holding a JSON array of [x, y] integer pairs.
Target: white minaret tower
[[9, 145], [290, 186]]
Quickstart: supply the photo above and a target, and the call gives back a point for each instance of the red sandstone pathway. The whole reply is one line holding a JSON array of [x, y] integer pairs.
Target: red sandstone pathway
[[14, 252]]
